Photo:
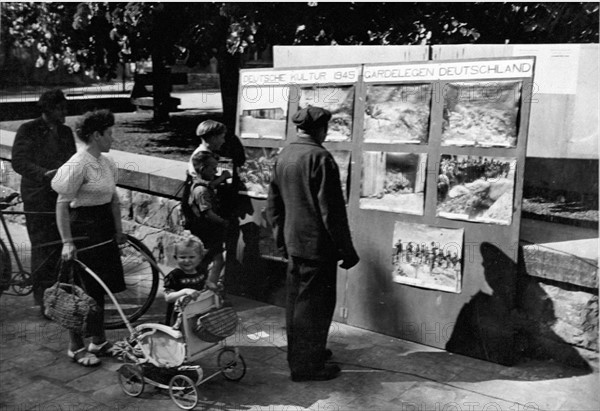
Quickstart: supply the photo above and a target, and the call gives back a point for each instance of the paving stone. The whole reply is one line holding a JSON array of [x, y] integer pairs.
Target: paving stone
[[40, 394], [63, 371], [13, 379], [94, 381]]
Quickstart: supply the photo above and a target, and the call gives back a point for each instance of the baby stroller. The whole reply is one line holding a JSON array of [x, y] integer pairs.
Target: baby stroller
[[162, 356]]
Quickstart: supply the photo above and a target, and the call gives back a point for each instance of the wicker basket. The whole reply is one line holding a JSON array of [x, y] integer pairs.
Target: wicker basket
[[69, 305], [216, 325]]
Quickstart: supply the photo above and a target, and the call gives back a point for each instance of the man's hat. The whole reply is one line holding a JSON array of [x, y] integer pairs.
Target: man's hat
[[311, 117]]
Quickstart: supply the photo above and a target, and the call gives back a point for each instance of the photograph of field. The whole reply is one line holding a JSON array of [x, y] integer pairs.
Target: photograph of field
[[393, 182], [397, 113], [338, 100], [428, 257], [476, 189], [481, 114], [256, 171], [263, 112]]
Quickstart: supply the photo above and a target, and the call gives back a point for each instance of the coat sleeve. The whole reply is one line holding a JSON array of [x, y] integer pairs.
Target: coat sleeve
[[333, 207], [276, 213], [22, 156]]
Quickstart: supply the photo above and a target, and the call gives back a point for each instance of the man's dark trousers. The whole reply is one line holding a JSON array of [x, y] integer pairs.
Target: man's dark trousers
[[44, 257], [311, 295]]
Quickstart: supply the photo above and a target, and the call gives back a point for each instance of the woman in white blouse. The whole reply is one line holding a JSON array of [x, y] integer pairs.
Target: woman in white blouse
[[88, 208]]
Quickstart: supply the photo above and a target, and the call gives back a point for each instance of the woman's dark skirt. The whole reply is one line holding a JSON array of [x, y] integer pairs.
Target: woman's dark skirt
[[97, 225]]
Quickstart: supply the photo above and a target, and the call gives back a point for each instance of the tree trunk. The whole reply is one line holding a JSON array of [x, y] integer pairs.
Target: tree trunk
[[229, 73], [161, 88]]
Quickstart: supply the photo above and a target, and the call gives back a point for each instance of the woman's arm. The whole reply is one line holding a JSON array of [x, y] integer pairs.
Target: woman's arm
[[63, 221]]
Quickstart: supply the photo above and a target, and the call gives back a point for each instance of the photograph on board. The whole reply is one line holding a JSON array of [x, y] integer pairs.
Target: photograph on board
[[478, 189], [427, 257], [263, 112], [393, 182], [481, 114], [257, 170], [397, 113], [338, 100], [342, 159]]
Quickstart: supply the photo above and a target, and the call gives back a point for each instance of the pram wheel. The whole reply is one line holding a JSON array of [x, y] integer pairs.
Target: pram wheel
[[183, 392], [131, 380], [232, 364]]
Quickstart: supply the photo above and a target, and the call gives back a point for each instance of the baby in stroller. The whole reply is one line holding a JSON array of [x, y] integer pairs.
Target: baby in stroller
[[163, 355], [188, 279]]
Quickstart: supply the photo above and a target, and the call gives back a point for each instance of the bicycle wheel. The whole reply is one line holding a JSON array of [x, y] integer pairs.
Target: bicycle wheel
[[5, 267], [141, 279]]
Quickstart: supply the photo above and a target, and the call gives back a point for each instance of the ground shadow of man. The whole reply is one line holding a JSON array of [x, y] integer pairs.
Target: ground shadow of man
[[491, 326], [486, 326]]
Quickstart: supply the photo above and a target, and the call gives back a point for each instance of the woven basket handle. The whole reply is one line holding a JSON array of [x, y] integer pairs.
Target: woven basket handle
[[71, 274]]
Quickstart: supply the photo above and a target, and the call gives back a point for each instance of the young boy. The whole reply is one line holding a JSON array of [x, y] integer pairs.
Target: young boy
[[212, 136], [189, 277], [208, 225]]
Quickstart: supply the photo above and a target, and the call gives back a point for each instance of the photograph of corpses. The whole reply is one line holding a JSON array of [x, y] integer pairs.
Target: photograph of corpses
[[397, 113], [428, 257], [393, 182], [481, 114], [342, 159], [338, 100], [263, 112], [478, 189], [256, 171]]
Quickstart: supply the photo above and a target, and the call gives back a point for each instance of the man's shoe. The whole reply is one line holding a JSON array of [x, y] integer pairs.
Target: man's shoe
[[328, 372]]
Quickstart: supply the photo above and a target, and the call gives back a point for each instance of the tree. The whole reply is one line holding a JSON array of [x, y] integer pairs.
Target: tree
[[96, 36]]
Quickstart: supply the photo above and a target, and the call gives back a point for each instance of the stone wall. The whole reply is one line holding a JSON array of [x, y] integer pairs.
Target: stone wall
[[557, 294]]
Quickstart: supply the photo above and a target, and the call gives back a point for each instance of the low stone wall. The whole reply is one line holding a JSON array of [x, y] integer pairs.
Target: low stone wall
[[558, 293]]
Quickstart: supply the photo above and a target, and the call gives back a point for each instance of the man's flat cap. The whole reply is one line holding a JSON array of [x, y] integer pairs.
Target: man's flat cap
[[311, 117]]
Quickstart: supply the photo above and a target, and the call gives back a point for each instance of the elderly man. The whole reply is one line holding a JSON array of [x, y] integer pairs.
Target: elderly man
[[307, 211], [41, 146]]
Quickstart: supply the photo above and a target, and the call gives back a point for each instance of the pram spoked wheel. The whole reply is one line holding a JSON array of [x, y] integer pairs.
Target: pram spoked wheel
[[232, 364], [183, 392], [131, 379]]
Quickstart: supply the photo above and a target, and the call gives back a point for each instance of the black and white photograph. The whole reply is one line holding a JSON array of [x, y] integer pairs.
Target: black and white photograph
[[255, 174], [428, 257], [263, 112], [477, 189], [397, 113], [150, 258], [393, 182], [339, 101], [481, 114]]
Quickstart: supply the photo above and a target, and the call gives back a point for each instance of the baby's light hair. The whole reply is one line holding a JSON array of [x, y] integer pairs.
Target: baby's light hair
[[189, 240]]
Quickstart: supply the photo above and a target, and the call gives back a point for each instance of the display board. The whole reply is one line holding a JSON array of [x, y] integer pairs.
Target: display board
[[434, 154]]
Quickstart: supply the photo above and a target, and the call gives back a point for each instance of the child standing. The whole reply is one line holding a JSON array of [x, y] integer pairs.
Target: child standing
[[189, 277], [208, 225]]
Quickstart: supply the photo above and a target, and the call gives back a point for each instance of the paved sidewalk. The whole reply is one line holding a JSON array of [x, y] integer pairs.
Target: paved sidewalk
[[378, 372]]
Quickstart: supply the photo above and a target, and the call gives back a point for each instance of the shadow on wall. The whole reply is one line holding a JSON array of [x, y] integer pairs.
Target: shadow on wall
[[490, 326]]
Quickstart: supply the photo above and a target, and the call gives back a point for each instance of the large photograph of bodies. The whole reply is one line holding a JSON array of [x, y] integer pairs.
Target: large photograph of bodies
[[339, 101], [393, 182], [257, 170], [427, 257], [481, 114], [397, 113], [476, 189]]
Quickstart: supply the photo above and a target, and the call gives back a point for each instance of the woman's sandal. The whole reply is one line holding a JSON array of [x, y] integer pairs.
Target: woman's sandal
[[83, 357], [106, 349]]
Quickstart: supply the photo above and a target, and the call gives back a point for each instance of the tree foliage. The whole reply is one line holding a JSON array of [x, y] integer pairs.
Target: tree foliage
[[96, 36]]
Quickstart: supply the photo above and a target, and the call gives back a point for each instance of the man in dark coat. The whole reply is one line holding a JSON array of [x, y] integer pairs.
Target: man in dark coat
[[307, 211], [41, 146]]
